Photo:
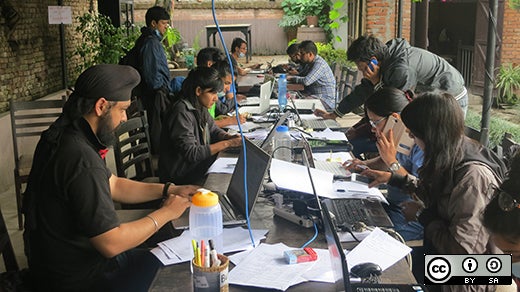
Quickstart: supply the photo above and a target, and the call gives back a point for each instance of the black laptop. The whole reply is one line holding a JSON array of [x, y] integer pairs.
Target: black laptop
[[340, 265], [233, 202]]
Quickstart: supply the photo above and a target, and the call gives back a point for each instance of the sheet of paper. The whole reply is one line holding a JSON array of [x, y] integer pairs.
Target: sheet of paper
[[266, 267], [320, 272], [349, 189], [246, 127], [378, 247], [290, 176], [223, 165], [329, 134], [179, 249], [332, 156]]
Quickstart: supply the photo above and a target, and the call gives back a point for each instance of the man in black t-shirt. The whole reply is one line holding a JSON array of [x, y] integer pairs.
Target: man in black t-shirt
[[73, 238]]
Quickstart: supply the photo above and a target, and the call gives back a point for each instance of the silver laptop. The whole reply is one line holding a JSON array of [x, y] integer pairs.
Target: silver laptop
[[263, 102], [333, 167], [233, 202], [318, 123]]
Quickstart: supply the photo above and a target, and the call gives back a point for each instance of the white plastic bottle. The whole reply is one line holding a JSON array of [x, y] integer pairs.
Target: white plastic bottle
[[282, 144], [282, 92], [206, 218]]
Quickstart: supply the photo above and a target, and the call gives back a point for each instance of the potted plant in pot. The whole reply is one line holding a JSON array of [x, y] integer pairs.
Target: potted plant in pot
[[312, 9], [292, 17]]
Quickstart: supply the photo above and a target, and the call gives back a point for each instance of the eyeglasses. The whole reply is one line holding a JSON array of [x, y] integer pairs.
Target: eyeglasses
[[506, 202], [375, 123]]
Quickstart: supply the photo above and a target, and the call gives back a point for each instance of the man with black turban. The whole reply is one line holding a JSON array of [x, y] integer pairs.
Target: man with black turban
[[73, 238]]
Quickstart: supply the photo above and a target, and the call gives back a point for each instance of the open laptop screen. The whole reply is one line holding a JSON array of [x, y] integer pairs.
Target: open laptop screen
[[257, 163]]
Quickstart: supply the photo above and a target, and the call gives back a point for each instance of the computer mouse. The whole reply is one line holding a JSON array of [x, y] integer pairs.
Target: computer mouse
[[365, 270]]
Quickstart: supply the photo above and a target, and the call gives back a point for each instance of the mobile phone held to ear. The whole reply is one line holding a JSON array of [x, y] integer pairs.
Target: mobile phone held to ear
[[404, 142], [372, 63]]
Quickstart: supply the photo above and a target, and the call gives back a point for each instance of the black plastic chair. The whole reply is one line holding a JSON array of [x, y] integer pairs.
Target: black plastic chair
[[28, 120]]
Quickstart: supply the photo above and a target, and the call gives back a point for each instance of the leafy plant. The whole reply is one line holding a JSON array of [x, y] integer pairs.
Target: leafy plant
[[292, 13], [103, 43], [332, 55], [508, 82], [335, 18], [171, 37], [497, 127], [312, 7], [515, 4]]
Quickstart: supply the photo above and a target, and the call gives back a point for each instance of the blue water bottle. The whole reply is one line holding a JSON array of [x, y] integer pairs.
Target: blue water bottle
[[282, 92]]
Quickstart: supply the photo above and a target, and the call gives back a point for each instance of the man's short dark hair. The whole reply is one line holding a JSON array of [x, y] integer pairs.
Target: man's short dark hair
[[156, 13], [293, 49], [365, 47], [209, 54], [308, 47]]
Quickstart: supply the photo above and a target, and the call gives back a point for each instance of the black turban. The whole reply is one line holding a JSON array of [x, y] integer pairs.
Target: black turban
[[113, 82]]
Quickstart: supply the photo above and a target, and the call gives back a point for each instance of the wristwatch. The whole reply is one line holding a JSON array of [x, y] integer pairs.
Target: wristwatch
[[394, 166]]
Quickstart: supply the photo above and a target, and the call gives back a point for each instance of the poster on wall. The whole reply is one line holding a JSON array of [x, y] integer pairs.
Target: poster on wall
[[60, 14]]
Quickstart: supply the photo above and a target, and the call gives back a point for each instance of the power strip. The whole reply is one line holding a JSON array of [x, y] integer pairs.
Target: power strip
[[288, 214]]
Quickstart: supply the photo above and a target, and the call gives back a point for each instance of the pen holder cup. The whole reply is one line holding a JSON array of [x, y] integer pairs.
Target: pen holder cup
[[212, 279]]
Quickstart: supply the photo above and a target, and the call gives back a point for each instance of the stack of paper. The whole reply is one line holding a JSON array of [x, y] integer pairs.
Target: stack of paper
[[179, 249]]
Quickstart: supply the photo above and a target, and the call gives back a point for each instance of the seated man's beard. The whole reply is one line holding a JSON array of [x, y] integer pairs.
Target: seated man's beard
[[105, 132]]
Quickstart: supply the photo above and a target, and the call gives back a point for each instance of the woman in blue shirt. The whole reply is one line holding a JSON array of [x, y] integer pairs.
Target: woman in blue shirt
[[380, 107]]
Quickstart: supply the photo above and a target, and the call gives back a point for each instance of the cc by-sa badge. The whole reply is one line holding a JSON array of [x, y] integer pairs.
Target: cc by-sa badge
[[438, 270]]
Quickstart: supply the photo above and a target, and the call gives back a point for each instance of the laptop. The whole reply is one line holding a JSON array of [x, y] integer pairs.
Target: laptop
[[263, 102], [348, 211], [264, 144], [340, 265], [316, 124], [233, 202], [333, 167]]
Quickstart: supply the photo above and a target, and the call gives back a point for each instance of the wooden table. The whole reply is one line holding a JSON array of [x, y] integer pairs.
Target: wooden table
[[245, 28], [178, 277]]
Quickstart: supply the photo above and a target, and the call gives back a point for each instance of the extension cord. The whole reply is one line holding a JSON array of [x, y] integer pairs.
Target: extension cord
[[288, 214]]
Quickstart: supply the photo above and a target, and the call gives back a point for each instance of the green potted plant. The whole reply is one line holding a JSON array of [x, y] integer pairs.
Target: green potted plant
[[508, 82], [292, 17], [312, 9]]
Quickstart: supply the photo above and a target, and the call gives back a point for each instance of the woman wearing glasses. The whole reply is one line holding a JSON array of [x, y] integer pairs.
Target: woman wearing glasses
[[453, 180], [502, 216], [383, 107]]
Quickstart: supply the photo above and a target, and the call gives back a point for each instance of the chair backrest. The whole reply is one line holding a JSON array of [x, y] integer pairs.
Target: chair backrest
[[6, 248], [28, 120], [348, 78], [132, 150], [472, 133], [507, 149]]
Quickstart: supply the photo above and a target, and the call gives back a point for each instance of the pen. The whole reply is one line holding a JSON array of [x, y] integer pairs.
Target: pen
[[207, 262], [194, 246], [214, 257], [202, 254]]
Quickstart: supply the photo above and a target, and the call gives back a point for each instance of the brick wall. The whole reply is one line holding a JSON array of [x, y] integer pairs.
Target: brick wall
[[30, 63], [382, 16], [511, 36]]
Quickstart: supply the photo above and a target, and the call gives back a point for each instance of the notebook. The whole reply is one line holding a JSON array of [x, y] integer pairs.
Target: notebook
[[263, 102], [316, 124], [233, 202], [340, 265]]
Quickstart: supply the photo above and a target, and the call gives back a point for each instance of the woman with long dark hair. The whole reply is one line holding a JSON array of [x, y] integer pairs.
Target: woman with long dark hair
[[189, 138], [453, 180]]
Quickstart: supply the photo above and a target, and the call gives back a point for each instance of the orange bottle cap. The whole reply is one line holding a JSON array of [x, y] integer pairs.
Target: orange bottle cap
[[205, 199]]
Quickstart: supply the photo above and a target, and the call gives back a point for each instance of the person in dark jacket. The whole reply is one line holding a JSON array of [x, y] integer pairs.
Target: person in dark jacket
[[152, 64], [190, 139], [396, 64]]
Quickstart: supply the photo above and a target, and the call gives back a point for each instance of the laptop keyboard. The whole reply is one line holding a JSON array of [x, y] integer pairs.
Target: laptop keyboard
[[376, 289], [332, 167], [350, 211], [321, 124]]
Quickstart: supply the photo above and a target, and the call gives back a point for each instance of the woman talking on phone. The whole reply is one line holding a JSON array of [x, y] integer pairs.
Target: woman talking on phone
[[453, 180], [382, 109]]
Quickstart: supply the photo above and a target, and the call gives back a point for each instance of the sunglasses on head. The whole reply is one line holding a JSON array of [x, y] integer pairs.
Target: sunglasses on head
[[506, 202]]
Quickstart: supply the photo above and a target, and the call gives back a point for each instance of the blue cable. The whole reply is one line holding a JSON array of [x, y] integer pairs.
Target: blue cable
[[237, 116], [313, 238]]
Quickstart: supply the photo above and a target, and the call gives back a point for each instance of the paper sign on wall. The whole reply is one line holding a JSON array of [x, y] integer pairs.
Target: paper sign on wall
[[60, 14]]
